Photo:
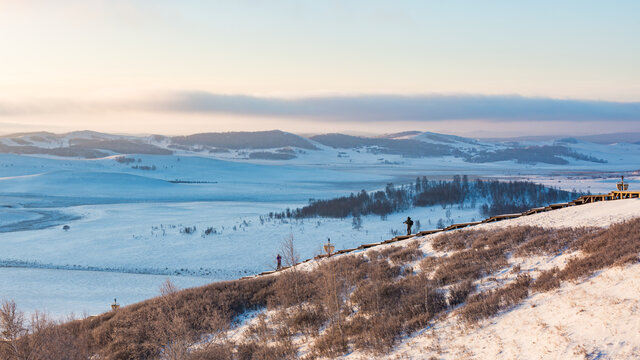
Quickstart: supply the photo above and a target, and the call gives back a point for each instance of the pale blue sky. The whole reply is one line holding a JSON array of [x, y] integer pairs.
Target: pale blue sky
[[115, 65]]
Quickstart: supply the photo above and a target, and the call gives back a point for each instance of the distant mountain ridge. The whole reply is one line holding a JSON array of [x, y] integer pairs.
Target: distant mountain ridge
[[91, 144], [277, 145], [404, 147], [246, 140], [399, 135], [605, 139]]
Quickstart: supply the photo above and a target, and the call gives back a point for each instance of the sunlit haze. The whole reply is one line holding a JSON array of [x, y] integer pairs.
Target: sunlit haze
[[491, 68]]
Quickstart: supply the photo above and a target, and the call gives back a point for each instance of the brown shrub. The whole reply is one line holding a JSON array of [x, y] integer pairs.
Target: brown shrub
[[618, 245], [42, 338], [307, 320], [455, 240], [506, 238], [376, 297], [630, 258], [140, 330], [257, 351], [428, 264], [461, 240], [547, 280], [470, 264], [553, 241], [489, 303], [516, 269], [213, 352], [278, 351], [292, 288], [421, 301], [481, 252], [377, 333], [406, 254], [459, 292], [332, 343]]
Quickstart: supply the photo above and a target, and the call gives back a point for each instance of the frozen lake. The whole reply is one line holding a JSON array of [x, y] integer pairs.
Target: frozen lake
[[130, 229], [51, 269], [63, 292]]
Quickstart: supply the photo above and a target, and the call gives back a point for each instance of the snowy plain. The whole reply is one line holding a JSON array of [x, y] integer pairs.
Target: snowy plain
[[125, 223]]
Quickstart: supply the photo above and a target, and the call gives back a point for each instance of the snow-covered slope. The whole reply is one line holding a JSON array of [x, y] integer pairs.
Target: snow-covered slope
[[590, 319], [595, 319], [580, 320], [408, 148], [600, 214]]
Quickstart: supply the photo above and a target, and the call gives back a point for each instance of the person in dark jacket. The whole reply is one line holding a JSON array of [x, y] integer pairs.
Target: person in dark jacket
[[409, 223], [279, 259]]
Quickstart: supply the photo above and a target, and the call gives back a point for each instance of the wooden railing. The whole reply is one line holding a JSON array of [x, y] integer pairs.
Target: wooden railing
[[585, 199]]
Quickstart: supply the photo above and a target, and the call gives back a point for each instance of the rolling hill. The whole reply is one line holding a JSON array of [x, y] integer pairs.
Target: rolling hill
[[276, 145]]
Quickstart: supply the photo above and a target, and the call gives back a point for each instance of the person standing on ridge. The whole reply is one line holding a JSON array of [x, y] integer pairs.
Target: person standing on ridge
[[279, 259], [409, 223]]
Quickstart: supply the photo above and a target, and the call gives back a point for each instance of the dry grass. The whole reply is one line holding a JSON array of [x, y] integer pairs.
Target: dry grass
[[489, 303], [365, 301], [553, 241], [547, 280], [616, 246], [406, 254]]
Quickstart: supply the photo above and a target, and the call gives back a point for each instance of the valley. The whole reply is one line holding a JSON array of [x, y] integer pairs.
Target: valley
[[198, 216]]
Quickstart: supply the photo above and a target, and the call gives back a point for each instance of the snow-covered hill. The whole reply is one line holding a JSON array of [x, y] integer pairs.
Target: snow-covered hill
[[586, 319], [396, 303], [280, 147], [591, 318]]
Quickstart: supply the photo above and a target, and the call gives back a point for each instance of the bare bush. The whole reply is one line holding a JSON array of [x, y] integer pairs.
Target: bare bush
[[378, 334], [332, 343], [168, 288], [429, 263], [293, 287], [405, 254], [459, 292], [553, 241], [489, 303], [307, 320], [619, 245], [547, 280], [12, 328], [213, 352], [41, 339]]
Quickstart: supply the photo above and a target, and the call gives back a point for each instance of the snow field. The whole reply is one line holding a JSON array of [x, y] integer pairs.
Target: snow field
[[131, 219], [144, 238], [61, 293]]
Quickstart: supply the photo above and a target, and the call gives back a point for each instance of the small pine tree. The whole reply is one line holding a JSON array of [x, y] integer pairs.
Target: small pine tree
[[356, 223]]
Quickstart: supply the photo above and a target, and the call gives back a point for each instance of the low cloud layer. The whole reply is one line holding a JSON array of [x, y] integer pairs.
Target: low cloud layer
[[356, 109], [376, 108]]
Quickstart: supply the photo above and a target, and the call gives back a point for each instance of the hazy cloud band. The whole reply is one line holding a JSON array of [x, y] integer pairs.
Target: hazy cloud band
[[407, 108], [355, 108]]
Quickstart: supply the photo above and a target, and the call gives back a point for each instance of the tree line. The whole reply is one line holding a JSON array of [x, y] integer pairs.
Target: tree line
[[496, 197]]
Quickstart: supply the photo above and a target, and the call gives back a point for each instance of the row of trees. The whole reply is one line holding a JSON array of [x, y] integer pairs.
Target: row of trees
[[497, 198]]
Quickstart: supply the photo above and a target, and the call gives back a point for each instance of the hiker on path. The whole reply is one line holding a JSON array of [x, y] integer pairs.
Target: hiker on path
[[409, 223], [279, 259]]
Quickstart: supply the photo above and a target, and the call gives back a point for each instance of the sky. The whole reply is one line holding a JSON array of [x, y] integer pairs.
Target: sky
[[492, 68]]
